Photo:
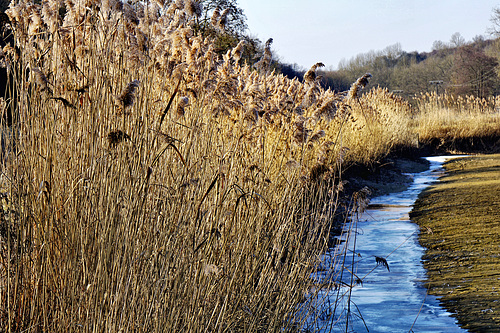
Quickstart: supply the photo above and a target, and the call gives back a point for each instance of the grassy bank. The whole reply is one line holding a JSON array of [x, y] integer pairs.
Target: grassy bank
[[459, 219]]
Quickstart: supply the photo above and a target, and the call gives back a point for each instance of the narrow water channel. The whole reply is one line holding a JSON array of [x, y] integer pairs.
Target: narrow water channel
[[392, 299]]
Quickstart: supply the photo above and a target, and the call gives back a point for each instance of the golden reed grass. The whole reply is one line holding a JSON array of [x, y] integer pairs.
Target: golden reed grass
[[149, 187], [447, 117]]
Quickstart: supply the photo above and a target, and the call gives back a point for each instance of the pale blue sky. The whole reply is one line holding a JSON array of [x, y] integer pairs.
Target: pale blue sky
[[309, 31]]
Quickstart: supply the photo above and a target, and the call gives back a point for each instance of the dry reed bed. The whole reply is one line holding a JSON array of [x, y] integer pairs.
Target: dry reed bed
[[450, 118], [157, 186]]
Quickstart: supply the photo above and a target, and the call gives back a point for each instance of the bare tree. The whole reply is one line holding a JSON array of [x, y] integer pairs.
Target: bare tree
[[439, 45], [457, 40], [495, 20], [474, 72]]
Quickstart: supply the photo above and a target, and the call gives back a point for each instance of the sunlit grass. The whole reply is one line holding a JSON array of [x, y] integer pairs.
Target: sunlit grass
[[459, 217], [449, 118]]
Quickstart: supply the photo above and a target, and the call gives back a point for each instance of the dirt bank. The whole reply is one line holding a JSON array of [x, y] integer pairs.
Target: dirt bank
[[459, 219], [388, 176], [488, 144]]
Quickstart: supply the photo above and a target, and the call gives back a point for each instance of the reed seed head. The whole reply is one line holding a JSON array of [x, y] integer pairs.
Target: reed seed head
[[236, 53], [358, 86], [215, 16], [264, 63], [127, 97], [40, 79], [310, 75], [193, 8], [183, 102], [221, 23], [116, 137]]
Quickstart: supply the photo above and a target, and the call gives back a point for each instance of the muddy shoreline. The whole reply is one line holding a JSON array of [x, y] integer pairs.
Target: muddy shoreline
[[389, 175]]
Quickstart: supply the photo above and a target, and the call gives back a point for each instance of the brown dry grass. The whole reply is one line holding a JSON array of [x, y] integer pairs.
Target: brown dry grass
[[155, 186], [450, 118]]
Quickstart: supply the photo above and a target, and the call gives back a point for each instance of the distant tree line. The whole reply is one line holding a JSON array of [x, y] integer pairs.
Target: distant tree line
[[458, 67]]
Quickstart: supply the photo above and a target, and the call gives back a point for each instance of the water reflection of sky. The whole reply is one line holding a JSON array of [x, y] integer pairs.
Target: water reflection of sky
[[387, 301]]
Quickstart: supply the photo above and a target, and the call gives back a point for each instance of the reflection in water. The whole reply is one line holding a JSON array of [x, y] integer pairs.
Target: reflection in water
[[392, 299]]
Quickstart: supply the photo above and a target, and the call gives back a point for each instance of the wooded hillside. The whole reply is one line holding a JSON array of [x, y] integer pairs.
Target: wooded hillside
[[458, 67]]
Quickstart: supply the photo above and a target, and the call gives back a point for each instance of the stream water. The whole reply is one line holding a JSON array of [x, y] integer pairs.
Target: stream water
[[392, 299]]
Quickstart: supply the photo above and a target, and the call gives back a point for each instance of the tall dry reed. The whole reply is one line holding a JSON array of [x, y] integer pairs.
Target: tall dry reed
[[155, 186], [150, 184], [447, 117]]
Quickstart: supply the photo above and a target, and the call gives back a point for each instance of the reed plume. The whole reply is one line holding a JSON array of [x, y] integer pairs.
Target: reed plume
[[358, 86], [193, 8], [215, 17], [310, 75], [127, 97], [237, 52], [116, 137], [40, 80], [328, 109], [222, 21], [300, 132], [183, 102], [264, 63]]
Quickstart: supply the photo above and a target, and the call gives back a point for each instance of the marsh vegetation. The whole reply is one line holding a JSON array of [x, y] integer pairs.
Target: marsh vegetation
[[153, 183]]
